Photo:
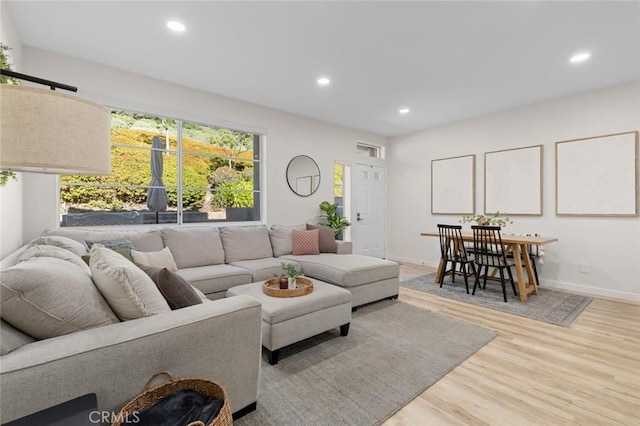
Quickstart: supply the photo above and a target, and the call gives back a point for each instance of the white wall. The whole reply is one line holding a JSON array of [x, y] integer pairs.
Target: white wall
[[611, 246], [10, 195], [288, 135]]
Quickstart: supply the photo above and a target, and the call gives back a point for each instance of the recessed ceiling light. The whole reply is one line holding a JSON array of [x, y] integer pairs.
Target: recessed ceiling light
[[324, 81], [580, 57], [404, 111], [176, 26]]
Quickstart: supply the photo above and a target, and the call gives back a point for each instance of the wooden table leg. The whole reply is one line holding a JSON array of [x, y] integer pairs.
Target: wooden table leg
[[522, 288], [440, 269], [442, 265], [529, 267]]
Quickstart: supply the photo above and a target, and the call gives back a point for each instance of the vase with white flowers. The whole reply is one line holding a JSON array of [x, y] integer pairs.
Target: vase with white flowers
[[492, 219]]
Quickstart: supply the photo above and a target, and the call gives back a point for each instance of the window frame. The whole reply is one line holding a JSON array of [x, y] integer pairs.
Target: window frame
[[260, 133], [376, 150]]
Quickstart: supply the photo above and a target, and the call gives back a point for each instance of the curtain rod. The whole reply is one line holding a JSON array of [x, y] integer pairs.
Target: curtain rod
[[52, 84]]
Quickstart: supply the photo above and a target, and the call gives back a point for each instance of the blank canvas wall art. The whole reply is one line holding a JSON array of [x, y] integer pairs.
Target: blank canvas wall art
[[598, 176], [513, 181], [453, 185]]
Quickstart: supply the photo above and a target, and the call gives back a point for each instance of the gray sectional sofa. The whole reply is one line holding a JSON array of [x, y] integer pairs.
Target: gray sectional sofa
[[220, 339]]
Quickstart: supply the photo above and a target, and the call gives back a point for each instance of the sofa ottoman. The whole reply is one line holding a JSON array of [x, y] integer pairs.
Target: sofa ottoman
[[289, 320]]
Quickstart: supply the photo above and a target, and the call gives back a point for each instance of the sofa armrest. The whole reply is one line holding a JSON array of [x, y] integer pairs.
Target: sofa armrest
[[344, 247], [218, 340]]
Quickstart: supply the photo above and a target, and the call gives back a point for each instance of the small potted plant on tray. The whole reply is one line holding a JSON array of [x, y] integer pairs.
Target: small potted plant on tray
[[292, 273]]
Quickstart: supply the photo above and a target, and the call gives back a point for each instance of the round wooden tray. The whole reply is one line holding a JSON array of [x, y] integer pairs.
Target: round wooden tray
[[272, 288]]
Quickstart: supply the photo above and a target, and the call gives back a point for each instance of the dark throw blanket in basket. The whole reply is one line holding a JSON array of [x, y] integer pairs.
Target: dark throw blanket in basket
[[181, 408]]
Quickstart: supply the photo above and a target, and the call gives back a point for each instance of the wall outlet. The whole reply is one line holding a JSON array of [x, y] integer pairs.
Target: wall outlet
[[583, 268]]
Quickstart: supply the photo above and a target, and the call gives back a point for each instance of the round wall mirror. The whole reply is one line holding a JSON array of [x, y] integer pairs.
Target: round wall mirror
[[303, 175]]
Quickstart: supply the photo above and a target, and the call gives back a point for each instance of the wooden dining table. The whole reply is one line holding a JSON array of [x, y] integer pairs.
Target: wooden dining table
[[516, 244]]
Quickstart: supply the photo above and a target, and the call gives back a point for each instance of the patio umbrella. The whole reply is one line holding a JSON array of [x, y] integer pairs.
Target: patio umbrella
[[157, 195]]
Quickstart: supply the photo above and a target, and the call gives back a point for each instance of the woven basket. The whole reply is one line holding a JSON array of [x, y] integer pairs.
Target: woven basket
[[151, 395]]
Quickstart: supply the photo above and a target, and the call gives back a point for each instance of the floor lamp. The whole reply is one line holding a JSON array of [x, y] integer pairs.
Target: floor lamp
[[45, 131]]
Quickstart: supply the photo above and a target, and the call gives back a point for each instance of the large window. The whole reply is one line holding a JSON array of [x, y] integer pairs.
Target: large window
[[168, 171]]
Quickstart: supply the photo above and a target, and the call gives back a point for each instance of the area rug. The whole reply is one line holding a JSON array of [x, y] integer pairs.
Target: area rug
[[394, 351], [551, 306]]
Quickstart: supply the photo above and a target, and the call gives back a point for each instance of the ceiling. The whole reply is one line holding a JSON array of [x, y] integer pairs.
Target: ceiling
[[445, 61]]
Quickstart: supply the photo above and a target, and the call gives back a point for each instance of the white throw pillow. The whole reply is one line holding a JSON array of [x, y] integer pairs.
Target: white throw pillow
[[128, 290], [158, 259], [47, 297]]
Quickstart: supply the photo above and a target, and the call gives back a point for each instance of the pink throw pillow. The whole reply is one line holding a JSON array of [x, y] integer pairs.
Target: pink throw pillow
[[306, 242]]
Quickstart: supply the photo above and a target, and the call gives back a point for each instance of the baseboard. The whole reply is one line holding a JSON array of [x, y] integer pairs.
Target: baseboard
[[622, 296], [559, 285], [244, 411]]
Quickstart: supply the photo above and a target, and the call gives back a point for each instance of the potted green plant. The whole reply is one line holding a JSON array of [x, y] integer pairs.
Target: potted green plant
[[292, 273], [331, 218], [5, 175]]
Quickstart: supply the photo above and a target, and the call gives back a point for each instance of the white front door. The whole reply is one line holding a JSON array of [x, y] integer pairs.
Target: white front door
[[370, 210]]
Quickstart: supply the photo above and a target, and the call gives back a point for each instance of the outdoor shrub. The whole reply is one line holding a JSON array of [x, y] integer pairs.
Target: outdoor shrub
[[131, 167]]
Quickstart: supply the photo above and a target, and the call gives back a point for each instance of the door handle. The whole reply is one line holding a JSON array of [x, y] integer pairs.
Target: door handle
[[358, 218]]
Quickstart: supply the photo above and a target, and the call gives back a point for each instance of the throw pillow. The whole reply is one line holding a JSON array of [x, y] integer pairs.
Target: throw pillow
[[326, 239], [37, 250], [128, 290], [63, 242], [282, 238], [48, 297], [176, 290], [121, 251], [160, 259], [125, 244], [306, 242]]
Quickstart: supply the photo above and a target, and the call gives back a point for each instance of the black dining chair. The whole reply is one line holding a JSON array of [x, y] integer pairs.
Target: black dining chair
[[489, 252], [453, 251]]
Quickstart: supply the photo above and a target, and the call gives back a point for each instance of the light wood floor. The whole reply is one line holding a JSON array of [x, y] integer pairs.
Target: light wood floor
[[535, 373]]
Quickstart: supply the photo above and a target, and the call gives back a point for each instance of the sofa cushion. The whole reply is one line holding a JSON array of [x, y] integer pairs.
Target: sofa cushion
[[245, 243], [143, 240], [158, 259], [176, 290], [215, 278], [263, 269], [306, 242], [73, 246], [282, 238], [194, 246], [346, 270], [128, 290], [36, 250], [326, 238], [47, 297], [12, 338]]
